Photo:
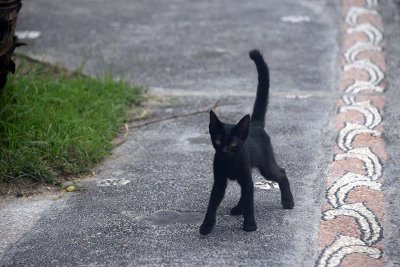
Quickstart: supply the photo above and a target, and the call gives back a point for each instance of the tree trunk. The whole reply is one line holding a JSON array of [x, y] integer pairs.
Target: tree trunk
[[8, 19]]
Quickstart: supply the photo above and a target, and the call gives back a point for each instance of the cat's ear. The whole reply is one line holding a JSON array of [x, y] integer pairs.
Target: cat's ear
[[215, 124], [241, 129]]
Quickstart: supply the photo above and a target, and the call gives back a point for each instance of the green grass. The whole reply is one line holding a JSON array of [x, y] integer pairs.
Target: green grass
[[55, 125]]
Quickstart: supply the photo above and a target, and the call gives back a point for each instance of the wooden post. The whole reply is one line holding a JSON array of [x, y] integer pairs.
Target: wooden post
[[8, 19]]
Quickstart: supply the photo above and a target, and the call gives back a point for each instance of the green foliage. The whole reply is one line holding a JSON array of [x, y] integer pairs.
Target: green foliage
[[54, 125]]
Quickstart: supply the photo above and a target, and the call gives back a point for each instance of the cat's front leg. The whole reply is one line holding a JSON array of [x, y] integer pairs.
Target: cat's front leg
[[217, 194], [247, 197]]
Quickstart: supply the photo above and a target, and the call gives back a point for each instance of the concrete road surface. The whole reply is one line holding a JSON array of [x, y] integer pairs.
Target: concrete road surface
[[192, 54]]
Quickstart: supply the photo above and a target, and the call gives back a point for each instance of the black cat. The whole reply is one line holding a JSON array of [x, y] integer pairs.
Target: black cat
[[240, 147]]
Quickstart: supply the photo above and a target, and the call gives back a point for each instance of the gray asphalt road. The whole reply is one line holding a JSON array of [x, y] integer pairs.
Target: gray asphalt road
[[193, 53]]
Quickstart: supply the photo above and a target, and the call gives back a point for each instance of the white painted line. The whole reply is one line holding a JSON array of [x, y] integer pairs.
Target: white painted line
[[113, 182], [27, 34], [295, 19], [299, 96], [265, 185]]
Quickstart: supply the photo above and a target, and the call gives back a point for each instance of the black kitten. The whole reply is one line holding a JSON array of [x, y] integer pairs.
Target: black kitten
[[240, 147]]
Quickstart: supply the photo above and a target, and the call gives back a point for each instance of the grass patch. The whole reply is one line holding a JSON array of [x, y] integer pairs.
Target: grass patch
[[54, 124]]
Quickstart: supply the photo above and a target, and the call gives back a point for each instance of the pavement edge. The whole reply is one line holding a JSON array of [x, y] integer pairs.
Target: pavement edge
[[351, 230]]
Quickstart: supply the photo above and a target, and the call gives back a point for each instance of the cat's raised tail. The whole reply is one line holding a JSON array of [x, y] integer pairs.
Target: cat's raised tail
[[261, 102]]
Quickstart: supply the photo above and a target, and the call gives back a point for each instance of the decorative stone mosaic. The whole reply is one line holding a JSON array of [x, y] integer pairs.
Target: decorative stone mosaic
[[353, 212]]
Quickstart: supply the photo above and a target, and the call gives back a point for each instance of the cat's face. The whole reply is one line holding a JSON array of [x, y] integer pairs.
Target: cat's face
[[228, 139]]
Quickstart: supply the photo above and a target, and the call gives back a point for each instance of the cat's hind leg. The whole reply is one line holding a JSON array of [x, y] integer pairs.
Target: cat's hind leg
[[275, 173]]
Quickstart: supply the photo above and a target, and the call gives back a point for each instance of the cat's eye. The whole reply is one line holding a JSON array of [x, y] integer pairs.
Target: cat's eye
[[234, 143], [217, 141]]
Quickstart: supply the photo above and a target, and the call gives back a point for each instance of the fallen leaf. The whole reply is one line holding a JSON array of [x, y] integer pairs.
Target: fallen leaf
[[71, 188]]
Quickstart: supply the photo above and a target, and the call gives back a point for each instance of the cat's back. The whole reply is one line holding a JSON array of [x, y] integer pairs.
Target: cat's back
[[258, 145], [257, 133]]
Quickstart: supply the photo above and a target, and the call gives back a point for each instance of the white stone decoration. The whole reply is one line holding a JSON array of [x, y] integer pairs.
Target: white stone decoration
[[375, 74], [359, 47], [339, 190], [371, 161], [368, 223], [372, 3], [342, 246], [374, 34], [348, 99], [355, 12], [350, 131], [371, 113], [359, 86]]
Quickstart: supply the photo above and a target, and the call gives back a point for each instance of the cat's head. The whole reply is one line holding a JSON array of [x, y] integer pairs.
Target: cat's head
[[228, 139]]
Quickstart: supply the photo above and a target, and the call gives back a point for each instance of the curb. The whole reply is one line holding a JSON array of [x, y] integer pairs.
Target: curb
[[351, 230]]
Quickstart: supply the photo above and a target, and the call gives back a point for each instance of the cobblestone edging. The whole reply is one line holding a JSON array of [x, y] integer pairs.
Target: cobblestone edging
[[351, 225]]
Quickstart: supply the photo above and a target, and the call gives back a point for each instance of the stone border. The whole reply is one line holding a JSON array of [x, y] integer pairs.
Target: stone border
[[351, 230]]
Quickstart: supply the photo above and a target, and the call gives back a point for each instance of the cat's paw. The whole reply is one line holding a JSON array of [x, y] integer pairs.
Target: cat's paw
[[250, 227], [288, 205], [236, 211], [206, 228]]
